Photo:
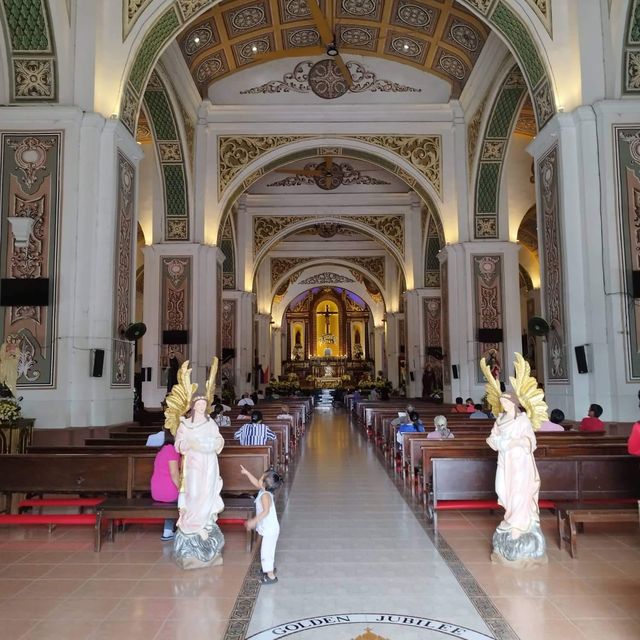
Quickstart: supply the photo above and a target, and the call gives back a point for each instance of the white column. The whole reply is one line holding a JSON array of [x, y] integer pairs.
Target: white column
[[414, 347], [275, 368], [462, 311], [378, 340], [264, 340], [204, 316], [393, 347], [582, 227], [244, 355]]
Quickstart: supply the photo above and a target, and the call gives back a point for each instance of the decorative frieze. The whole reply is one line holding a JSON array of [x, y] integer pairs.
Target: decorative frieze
[[30, 188], [553, 301], [123, 277]]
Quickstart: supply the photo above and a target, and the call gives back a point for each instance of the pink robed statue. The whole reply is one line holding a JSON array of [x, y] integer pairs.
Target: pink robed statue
[[518, 539], [198, 541]]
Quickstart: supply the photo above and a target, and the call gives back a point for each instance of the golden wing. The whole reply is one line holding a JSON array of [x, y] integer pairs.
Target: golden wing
[[531, 397], [492, 388], [179, 400], [211, 384]]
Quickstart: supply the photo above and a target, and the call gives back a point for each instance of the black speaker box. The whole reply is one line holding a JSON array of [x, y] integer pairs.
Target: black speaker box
[[411, 376], [489, 336], [175, 336], [248, 377], [636, 283], [146, 374], [98, 363], [228, 354], [581, 359], [454, 371], [24, 292]]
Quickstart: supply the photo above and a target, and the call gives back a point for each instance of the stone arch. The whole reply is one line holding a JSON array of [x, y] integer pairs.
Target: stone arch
[[167, 20], [170, 149], [322, 262], [279, 307], [31, 51], [297, 223], [492, 153]]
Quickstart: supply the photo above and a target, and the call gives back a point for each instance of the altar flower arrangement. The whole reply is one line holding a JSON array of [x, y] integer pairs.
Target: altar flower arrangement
[[9, 410]]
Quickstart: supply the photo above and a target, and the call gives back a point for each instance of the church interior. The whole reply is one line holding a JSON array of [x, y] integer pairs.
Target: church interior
[[350, 204]]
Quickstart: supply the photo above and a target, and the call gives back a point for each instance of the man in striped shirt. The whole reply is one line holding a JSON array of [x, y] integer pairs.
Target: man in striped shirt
[[255, 432]]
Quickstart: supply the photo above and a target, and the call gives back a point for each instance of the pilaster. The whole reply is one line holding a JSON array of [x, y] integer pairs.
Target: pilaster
[[393, 347]]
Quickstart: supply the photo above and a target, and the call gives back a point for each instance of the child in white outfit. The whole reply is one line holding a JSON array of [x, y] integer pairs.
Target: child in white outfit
[[266, 520]]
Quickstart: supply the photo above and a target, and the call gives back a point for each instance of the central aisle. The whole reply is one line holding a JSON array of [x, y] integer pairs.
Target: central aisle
[[349, 544]]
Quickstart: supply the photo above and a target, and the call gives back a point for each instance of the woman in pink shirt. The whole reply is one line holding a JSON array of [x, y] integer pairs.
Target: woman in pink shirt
[[165, 480]]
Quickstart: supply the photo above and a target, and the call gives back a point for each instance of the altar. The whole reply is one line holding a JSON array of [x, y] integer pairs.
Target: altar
[[328, 383]]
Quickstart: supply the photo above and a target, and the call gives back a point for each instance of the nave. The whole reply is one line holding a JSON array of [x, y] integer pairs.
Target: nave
[[351, 543]]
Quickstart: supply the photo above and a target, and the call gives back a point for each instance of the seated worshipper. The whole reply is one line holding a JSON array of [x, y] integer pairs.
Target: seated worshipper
[[245, 400], [374, 396], [402, 416], [411, 427], [633, 446], [218, 417], [478, 413], [165, 480], [441, 431], [156, 439], [554, 423], [460, 407], [284, 413], [471, 407], [592, 422], [254, 432], [245, 412]]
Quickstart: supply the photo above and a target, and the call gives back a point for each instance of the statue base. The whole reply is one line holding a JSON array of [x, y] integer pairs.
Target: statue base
[[529, 549], [191, 551]]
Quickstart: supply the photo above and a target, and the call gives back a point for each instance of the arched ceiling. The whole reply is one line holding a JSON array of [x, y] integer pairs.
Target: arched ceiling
[[436, 36]]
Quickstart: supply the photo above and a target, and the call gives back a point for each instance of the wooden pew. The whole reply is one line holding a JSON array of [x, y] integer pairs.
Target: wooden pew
[[465, 480]]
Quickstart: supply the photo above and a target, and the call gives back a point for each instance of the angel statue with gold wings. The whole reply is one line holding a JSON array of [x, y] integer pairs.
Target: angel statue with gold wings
[[198, 541], [518, 540]]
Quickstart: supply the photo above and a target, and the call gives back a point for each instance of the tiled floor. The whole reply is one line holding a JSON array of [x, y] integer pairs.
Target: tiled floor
[[348, 543]]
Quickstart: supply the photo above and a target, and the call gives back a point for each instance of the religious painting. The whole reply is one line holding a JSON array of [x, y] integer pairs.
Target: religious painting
[[327, 329]]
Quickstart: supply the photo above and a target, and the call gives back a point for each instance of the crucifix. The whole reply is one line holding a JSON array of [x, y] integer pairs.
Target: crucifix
[[327, 318]]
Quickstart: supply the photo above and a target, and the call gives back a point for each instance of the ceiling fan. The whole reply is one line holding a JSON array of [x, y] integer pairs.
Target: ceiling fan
[[328, 39], [327, 175]]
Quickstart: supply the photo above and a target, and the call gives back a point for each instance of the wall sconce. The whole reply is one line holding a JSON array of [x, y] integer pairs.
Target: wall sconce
[[21, 228]]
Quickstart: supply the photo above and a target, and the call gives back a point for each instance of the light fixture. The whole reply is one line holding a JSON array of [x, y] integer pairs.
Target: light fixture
[[405, 46], [331, 50], [196, 40], [254, 48], [21, 227]]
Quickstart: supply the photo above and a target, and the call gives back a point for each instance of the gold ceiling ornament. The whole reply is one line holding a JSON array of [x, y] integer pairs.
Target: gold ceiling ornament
[[280, 266], [236, 152], [423, 153], [390, 227], [373, 264]]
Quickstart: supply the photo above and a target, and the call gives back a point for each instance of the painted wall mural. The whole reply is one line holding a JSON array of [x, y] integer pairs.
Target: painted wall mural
[[501, 123], [31, 185], [122, 307], [488, 307], [31, 50], [175, 310], [627, 141], [171, 155], [553, 302]]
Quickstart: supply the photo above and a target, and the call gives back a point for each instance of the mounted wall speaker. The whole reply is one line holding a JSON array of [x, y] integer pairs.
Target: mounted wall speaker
[[412, 376], [581, 359], [248, 377], [24, 292], [489, 336], [97, 362], [538, 326], [175, 336], [454, 371], [228, 354], [635, 283], [146, 374]]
